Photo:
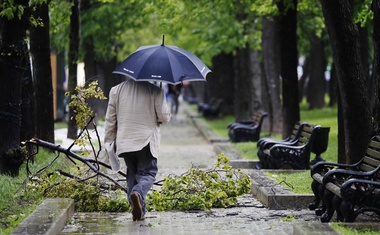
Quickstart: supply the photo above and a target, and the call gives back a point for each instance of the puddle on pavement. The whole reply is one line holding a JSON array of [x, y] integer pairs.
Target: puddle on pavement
[[96, 223]]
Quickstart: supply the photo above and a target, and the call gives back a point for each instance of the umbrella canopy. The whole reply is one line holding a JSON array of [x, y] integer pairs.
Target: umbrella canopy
[[163, 63]]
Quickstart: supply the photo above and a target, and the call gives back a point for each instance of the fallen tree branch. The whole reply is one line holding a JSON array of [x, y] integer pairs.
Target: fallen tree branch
[[87, 161]]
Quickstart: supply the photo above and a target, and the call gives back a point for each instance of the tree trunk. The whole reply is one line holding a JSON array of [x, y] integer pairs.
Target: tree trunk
[[40, 53], [376, 63], [243, 85], [257, 86], [220, 82], [73, 58], [341, 133], [316, 88], [344, 37], [13, 58], [27, 104], [271, 64], [91, 72], [289, 63]]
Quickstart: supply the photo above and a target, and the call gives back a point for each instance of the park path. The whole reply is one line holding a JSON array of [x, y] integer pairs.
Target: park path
[[183, 146]]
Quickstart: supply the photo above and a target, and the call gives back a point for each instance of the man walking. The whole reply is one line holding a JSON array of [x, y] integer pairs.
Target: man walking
[[134, 115]]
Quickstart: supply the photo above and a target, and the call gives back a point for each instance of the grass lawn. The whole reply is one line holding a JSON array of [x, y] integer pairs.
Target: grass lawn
[[17, 203], [326, 117], [292, 180]]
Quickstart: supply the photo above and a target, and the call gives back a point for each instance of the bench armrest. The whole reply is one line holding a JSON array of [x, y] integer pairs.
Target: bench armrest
[[245, 122], [269, 144], [324, 167], [357, 189], [245, 126], [341, 175], [268, 140], [292, 146]]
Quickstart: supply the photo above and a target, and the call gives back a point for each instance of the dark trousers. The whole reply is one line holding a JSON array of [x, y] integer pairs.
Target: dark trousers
[[141, 172]]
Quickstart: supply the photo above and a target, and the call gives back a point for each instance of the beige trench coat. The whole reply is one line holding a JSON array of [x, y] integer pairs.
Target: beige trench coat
[[134, 114]]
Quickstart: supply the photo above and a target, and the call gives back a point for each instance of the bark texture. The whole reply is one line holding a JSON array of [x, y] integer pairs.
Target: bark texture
[[289, 63], [356, 116]]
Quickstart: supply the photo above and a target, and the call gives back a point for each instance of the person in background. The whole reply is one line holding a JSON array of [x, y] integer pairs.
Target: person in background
[[134, 114], [174, 92]]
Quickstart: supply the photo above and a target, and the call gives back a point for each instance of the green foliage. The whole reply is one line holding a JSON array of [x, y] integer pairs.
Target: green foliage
[[83, 111], [348, 230], [10, 10], [199, 189], [263, 8], [364, 14], [106, 24], [88, 195], [79, 102], [195, 189], [289, 218], [60, 12]]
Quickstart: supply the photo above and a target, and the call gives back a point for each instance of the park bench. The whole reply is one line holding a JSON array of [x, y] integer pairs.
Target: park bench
[[266, 143], [211, 109], [297, 154], [347, 189], [247, 130]]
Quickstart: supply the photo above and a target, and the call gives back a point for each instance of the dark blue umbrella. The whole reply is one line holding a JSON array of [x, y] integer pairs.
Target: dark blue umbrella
[[163, 63]]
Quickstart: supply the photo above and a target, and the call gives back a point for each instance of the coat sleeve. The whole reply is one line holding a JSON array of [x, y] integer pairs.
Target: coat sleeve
[[111, 117], [162, 109]]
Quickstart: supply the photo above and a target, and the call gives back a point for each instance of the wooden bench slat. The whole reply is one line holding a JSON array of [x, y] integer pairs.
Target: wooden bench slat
[[364, 167], [373, 153], [375, 144], [333, 188], [371, 161]]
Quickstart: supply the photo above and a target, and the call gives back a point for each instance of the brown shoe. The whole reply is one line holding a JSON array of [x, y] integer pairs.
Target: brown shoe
[[136, 206]]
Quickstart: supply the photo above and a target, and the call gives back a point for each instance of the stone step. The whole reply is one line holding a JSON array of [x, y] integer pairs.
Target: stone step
[[49, 218]]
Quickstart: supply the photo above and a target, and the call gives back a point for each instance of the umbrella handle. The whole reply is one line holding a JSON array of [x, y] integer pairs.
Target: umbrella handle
[[163, 39]]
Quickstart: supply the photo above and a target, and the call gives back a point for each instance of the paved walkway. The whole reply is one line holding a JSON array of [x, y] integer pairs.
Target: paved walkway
[[182, 146]]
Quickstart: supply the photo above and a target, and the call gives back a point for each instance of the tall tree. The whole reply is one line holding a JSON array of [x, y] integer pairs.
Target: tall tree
[[271, 71], [356, 116], [376, 67], [243, 85], [316, 87], [289, 63], [13, 58], [72, 130], [42, 74], [221, 81]]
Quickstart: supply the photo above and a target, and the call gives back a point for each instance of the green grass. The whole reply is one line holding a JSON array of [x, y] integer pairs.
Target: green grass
[[17, 203], [60, 125], [326, 117], [291, 180]]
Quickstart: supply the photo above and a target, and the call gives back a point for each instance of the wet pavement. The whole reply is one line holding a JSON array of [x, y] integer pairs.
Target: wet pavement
[[186, 141], [183, 145]]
